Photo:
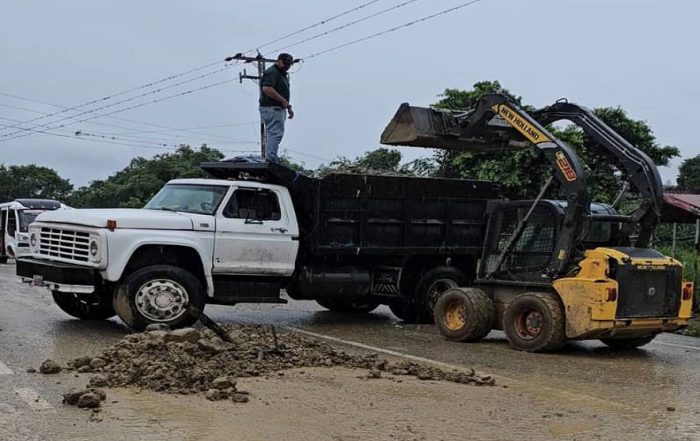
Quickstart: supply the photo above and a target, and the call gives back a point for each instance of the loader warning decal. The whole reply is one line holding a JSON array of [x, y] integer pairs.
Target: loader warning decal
[[533, 134], [565, 167]]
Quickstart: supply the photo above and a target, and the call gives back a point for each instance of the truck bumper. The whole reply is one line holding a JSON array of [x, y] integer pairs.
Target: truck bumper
[[57, 276]]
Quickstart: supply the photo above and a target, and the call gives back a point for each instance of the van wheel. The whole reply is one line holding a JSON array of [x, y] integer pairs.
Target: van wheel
[[95, 306], [627, 343], [159, 294], [359, 306], [464, 314], [431, 286], [535, 322]]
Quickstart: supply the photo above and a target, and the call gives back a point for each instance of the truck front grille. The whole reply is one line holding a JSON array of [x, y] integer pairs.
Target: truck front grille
[[64, 244]]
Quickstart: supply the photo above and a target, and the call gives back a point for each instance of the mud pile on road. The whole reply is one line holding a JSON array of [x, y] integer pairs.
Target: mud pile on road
[[189, 361]]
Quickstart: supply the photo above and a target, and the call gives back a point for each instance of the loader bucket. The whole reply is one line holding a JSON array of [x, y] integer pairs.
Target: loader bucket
[[432, 128]]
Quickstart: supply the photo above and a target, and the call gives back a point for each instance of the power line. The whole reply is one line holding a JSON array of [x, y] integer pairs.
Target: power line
[[131, 107], [161, 128], [134, 89], [322, 22], [314, 37], [411, 23], [49, 125]]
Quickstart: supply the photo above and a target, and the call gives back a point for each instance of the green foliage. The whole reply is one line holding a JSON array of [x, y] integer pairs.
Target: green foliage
[[381, 160], [133, 186], [523, 173], [689, 175], [32, 181]]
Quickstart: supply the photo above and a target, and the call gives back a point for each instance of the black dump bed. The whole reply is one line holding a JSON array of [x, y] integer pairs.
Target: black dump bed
[[375, 214]]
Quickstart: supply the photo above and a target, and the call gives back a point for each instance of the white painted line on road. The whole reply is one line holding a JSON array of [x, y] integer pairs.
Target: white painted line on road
[[674, 345], [4, 370], [381, 350], [33, 399]]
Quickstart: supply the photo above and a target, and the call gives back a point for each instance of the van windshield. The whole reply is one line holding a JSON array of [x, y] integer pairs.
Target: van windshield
[[26, 218], [199, 199]]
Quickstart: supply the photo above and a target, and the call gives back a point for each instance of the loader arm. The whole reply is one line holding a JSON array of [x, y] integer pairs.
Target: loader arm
[[641, 170]]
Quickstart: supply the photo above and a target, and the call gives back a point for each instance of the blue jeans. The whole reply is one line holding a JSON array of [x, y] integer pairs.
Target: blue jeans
[[273, 118]]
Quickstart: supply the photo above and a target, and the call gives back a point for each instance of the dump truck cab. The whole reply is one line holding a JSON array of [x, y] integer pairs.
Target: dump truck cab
[[556, 270]]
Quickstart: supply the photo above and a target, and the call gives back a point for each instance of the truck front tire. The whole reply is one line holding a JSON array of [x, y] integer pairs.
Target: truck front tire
[[159, 294], [431, 286], [535, 322], [464, 314], [96, 306]]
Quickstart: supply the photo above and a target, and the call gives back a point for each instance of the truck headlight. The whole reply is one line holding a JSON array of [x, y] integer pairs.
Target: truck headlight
[[94, 248], [32, 240]]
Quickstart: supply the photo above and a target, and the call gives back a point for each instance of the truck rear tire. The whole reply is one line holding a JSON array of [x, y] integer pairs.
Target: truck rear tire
[[464, 314], [535, 322], [96, 306], [348, 306], [431, 286], [627, 343], [3, 259], [159, 294]]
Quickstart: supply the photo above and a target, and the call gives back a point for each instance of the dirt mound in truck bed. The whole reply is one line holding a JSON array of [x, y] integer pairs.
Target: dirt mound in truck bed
[[188, 361]]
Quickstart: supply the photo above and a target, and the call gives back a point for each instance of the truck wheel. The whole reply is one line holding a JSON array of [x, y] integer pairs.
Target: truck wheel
[[3, 259], [535, 322], [431, 286], [159, 294], [627, 343], [464, 314], [96, 306], [356, 307]]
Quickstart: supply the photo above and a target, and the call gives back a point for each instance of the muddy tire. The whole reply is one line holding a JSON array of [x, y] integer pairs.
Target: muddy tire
[[349, 306], [159, 294], [431, 286], [464, 314], [96, 306], [535, 322], [627, 343]]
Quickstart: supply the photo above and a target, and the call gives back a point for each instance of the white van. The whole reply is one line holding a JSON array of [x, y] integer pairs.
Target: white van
[[15, 218]]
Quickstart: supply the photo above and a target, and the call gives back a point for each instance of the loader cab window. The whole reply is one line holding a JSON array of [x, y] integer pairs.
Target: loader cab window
[[532, 251], [253, 204]]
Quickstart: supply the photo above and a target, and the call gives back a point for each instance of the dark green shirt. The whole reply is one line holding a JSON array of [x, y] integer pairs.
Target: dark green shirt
[[277, 79]]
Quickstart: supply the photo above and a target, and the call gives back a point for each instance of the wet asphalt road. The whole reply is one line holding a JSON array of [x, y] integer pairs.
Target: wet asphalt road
[[641, 384]]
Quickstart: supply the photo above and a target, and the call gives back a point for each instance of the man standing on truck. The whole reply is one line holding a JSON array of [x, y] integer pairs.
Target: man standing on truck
[[274, 104]]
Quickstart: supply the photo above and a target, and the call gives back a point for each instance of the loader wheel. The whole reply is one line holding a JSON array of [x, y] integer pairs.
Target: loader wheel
[[96, 306], [535, 322], [431, 286], [464, 314], [359, 306], [159, 294], [627, 343]]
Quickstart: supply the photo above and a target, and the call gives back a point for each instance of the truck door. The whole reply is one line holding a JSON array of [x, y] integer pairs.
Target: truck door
[[256, 234], [3, 229]]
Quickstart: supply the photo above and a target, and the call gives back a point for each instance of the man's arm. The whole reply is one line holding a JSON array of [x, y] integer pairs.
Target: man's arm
[[272, 93]]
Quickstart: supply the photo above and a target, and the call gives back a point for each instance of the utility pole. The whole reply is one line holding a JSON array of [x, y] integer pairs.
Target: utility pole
[[260, 62]]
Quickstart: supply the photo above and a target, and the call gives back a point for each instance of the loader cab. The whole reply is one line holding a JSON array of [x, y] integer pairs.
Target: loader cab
[[534, 250]]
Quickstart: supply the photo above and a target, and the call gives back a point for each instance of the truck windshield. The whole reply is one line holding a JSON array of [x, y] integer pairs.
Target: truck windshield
[[26, 218], [200, 199]]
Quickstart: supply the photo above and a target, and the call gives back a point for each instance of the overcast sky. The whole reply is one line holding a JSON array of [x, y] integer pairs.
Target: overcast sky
[[641, 55]]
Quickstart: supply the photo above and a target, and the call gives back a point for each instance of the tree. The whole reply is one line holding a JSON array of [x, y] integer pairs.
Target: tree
[[689, 175], [522, 173], [32, 181], [133, 186]]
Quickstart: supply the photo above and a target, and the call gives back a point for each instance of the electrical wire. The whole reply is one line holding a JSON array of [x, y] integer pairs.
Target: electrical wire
[[134, 89], [360, 20], [49, 125], [386, 31], [208, 86], [322, 22]]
